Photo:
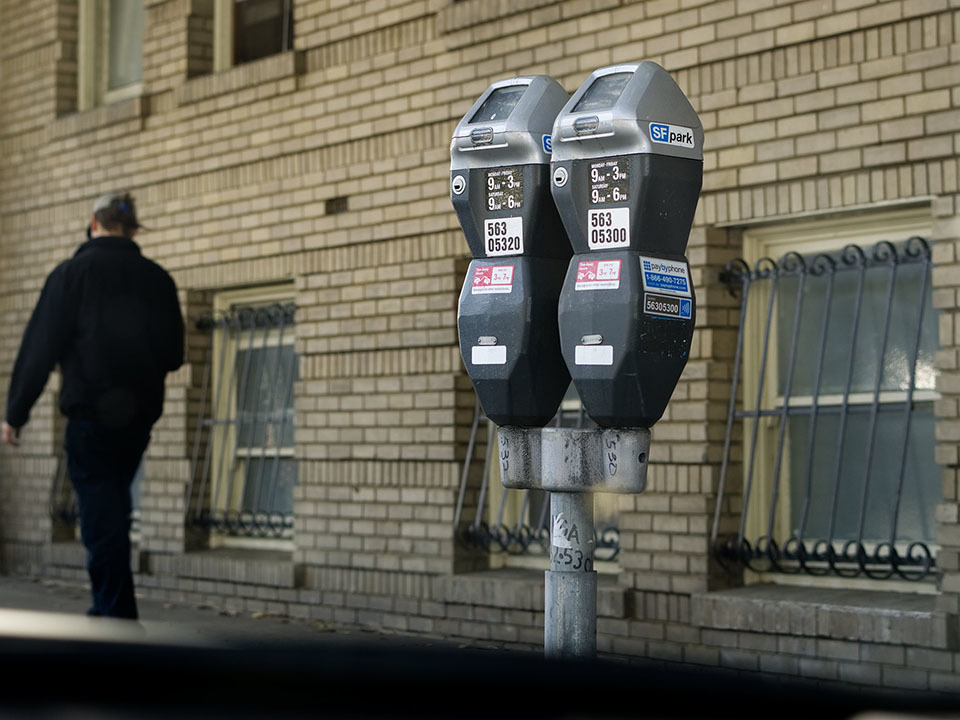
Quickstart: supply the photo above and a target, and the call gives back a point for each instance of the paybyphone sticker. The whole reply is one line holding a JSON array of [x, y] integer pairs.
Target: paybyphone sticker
[[665, 276], [598, 275], [492, 279]]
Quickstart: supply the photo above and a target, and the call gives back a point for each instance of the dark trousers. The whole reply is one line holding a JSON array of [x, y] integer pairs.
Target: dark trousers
[[102, 464]]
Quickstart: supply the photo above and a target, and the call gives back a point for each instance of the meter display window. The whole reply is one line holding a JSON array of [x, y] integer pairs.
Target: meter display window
[[603, 93], [499, 105]]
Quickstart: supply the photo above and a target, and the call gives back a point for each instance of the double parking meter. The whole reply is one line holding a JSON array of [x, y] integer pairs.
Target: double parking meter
[[500, 189], [624, 173], [627, 167]]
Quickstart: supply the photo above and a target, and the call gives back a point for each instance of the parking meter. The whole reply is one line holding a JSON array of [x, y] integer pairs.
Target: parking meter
[[500, 189], [627, 168]]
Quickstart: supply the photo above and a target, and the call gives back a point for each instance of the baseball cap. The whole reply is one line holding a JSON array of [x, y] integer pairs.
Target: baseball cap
[[116, 210]]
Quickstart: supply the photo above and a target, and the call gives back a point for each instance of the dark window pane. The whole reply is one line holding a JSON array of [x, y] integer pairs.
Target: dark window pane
[[125, 66], [265, 396], [900, 342], [837, 500], [269, 485], [262, 28]]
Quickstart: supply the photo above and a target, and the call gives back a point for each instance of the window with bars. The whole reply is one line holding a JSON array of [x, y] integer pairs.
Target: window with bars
[[244, 461], [833, 404]]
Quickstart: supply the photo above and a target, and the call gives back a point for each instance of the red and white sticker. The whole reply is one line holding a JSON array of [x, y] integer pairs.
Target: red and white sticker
[[598, 275], [492, 279]]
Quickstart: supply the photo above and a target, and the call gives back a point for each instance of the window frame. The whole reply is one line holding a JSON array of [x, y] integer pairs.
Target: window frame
[[809, 237], [93, 58]]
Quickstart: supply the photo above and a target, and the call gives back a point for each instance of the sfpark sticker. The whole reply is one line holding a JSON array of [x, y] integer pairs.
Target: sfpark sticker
[[672, 135]]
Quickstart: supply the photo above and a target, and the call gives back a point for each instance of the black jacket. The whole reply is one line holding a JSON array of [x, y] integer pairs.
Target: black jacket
[[111, 319]]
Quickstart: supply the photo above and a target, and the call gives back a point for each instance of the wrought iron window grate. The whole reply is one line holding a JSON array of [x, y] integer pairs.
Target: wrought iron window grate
[[828, 464], [243, 458], [528, 534]]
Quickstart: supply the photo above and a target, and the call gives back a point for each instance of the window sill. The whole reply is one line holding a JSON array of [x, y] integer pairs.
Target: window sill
[[522, 589], [240, 77], [251, 567], [85, 121], [861, 615]]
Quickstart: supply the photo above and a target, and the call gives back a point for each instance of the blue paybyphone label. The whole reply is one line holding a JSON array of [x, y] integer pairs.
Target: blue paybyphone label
[[665, 276]]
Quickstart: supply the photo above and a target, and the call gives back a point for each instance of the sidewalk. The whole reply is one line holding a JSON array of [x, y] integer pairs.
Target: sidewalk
[[195, 662], [204, 625]]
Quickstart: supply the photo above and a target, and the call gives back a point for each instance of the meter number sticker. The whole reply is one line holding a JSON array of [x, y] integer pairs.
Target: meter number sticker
[[504, 188], [503, 236], [610, 181], [492, 279], [608, 228], [598, 275], [670, 306]]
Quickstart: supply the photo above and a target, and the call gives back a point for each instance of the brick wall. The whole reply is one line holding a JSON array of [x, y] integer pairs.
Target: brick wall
[[327, 166]]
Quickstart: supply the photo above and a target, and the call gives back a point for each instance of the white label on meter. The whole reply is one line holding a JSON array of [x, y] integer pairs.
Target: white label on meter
[[503, 236], [488, 354], [608, 228], [593, 355]]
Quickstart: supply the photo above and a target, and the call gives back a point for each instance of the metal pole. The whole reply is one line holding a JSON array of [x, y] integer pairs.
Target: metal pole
[[571, 464], [570, 587]]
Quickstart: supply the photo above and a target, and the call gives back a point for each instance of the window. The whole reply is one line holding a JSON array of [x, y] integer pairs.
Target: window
[[837, 391], [246, 30], [244, 460], [110, 51]]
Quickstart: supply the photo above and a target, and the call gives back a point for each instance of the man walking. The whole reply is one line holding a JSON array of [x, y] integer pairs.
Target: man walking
[[111, 319]]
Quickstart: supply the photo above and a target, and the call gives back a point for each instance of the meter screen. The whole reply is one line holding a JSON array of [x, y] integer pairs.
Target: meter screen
[[504, 188], [499, 104], [603, 93], [610, 181]]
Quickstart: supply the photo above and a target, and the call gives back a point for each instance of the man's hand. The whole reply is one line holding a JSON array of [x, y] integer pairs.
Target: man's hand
[[11, 435]]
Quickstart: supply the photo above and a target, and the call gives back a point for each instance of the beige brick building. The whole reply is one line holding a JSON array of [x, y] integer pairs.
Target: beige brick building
[[317, 175]]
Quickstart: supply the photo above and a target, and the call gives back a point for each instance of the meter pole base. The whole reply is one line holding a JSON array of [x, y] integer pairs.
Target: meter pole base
[[570, 585]]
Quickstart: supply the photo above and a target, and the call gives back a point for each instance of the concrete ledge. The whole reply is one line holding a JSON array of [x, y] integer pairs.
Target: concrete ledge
[[522, 589], [865, 616], [252, 567], [241, 77], [86, 121]]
